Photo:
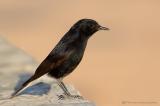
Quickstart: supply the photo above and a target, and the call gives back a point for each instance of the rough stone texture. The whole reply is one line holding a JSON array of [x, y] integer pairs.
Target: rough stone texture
[[16, 67]]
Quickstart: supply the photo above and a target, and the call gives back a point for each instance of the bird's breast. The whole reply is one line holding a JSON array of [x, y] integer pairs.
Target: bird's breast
[[76, 57]]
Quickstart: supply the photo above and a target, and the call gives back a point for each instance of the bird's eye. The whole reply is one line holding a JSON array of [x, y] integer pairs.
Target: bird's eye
[[91, 26]]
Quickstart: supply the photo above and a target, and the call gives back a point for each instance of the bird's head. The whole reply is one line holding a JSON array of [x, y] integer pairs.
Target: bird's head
[[87, 27]]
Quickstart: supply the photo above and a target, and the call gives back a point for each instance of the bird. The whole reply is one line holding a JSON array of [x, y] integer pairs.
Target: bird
[[66, 55]]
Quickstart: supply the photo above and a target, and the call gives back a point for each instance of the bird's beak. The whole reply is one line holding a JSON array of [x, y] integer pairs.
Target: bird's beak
[[103, 28]]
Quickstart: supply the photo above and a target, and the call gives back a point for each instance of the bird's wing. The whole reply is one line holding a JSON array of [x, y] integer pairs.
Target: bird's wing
[[52, 61]]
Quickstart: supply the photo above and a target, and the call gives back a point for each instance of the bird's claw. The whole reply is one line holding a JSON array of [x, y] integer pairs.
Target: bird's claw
[[77, 96], [62, 97]]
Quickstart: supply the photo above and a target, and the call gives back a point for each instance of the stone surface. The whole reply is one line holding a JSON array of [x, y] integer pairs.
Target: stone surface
[[15, 68]]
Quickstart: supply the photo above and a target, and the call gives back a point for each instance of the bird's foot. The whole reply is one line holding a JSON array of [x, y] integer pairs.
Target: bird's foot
[[76, 96], [62, 97]]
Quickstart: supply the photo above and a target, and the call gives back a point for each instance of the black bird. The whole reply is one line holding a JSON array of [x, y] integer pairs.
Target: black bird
[[66, 55]]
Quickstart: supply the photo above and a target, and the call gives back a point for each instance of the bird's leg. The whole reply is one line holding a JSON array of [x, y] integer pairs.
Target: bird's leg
[[66, 92]]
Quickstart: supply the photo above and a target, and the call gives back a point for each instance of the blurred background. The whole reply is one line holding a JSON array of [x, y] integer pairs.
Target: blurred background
[[119, 65]]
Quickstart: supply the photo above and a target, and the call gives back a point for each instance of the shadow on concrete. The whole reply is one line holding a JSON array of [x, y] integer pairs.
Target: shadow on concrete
[[36, 89]]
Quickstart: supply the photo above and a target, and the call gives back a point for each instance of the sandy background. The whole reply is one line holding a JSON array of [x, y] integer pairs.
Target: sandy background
[[120, 66]]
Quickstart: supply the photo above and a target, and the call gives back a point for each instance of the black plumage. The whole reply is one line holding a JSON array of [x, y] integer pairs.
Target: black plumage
[[67, 54]]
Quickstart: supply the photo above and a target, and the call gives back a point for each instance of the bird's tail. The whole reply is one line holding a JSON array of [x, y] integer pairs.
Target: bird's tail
[[23, 85]]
